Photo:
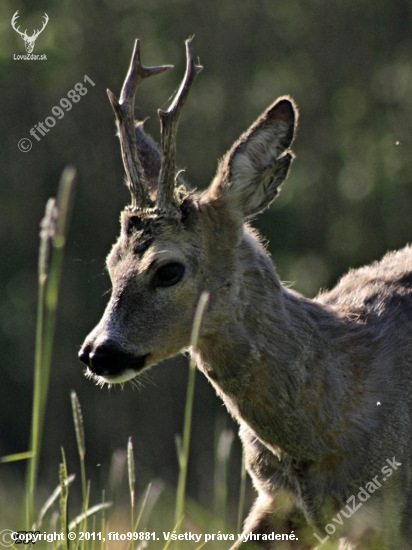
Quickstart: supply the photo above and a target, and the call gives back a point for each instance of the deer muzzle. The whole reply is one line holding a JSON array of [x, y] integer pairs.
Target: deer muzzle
[[108, 363]]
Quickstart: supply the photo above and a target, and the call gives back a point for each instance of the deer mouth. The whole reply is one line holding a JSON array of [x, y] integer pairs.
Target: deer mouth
[[119, 378]]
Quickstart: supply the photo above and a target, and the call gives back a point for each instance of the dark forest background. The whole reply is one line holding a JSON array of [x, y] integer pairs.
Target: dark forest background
[[348, 65]]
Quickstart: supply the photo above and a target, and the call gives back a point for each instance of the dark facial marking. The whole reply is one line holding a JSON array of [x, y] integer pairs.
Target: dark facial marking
[[139, 233]]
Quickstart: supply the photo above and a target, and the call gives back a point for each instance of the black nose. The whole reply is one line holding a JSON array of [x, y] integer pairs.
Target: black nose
[[109, 360], [84, 355]]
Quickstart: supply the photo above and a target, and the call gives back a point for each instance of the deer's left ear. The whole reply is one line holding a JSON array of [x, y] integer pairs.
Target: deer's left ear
[[250, 174]]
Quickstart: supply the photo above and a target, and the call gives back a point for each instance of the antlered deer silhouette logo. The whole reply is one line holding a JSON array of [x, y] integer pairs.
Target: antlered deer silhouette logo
[[29, 41]]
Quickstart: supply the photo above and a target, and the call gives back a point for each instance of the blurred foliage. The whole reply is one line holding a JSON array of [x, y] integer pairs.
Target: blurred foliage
[[348, 65]]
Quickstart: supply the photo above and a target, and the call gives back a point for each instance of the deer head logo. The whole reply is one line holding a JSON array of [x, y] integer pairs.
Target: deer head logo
[[29, 41]]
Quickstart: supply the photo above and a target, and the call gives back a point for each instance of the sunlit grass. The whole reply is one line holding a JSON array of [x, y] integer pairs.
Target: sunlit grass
[[183, 445]]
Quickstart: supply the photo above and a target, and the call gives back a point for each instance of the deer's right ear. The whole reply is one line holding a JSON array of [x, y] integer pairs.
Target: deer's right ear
[[250, 174]]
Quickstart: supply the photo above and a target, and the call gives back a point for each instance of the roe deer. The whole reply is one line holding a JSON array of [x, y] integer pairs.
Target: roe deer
[[321, 388]]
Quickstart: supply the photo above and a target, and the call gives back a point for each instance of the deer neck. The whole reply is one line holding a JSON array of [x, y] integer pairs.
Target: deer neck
[[270, 361]]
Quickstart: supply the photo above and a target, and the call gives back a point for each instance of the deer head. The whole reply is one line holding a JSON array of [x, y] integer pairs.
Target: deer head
[[175, 243], [29, 41]]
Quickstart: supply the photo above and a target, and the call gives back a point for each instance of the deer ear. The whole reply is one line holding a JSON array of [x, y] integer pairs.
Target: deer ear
[[252, 171]]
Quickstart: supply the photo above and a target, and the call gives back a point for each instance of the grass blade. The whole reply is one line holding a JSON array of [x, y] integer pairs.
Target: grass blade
[[154, 490], [90, 512], [176, 529], [242, 494], [47, 228], [51, 500], [224, 445], [64, 196], [78, 426], [142, 507], [64, 497], [132, 480], [184, 448], [17, 456], [103, 523], [81, 446], [52, 240]]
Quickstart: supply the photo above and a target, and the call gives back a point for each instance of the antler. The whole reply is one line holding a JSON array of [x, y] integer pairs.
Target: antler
[[124, 111], [169, 121], [36, 33], [13, 24]]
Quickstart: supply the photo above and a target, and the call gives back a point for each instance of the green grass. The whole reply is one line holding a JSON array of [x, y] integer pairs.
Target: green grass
[[51, 253], [155, 511]]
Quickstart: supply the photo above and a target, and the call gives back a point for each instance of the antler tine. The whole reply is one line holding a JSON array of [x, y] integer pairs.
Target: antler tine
[[38, 32], [169, 121], [13, 24], [124, 111], [46, 20]]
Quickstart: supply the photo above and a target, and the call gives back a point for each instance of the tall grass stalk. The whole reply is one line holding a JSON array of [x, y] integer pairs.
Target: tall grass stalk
[[81, 444], [90, 512], [183, 447], [242, 494], [103, 523], [81, 447], [51, 252], [132, 480], [142, 508], [224, 446], [64, 498], [51, 500]]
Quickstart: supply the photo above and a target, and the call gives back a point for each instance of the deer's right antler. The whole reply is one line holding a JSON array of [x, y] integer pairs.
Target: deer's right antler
[[169, 120], [124, 111]]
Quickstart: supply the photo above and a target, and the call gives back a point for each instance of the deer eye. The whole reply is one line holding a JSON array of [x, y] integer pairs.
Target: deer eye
[[169, 274]]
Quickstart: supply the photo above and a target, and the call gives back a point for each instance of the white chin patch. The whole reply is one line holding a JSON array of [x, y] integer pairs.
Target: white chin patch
[[115, 379]]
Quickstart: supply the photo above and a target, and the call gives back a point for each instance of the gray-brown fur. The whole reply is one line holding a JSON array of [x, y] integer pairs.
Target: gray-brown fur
[[321, 388]]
